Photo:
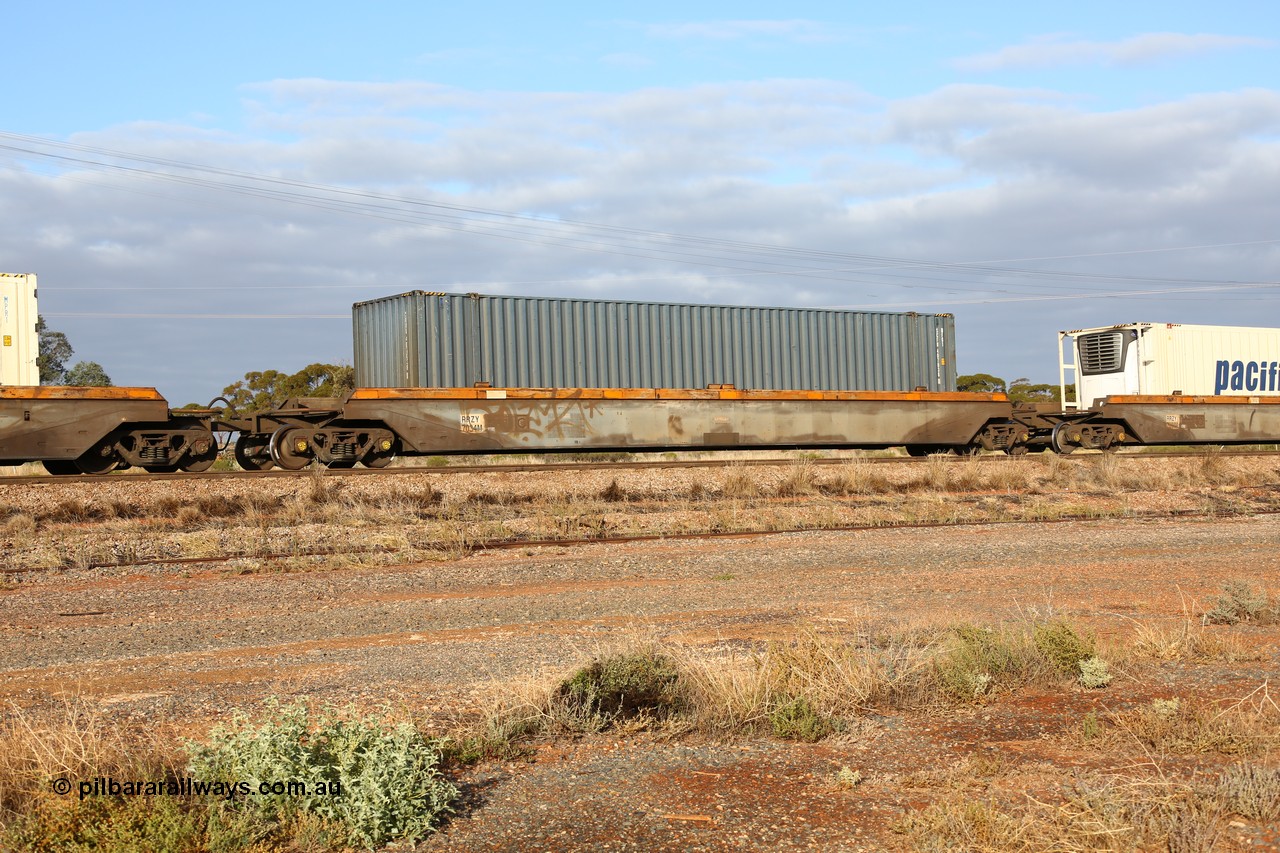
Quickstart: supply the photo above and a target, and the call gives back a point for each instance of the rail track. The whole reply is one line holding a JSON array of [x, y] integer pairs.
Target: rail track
[[605, 539], [560, 467]]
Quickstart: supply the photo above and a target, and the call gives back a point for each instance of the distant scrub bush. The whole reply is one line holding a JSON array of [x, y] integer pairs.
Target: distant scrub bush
[[1240, 602]]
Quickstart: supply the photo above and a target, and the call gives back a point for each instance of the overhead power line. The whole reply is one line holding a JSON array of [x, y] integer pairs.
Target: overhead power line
[[710, 257]]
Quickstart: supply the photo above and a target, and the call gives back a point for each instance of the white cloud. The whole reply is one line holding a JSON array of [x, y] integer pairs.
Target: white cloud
[[787, 30], [963, 173], [1002, 133], [1050, 51]]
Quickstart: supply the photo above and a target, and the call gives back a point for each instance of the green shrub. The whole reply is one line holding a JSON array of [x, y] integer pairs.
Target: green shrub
[[622, 686], [981, 660], [1090, 726], [797, 719], [108, 823], [1063, 646], [376, 783]]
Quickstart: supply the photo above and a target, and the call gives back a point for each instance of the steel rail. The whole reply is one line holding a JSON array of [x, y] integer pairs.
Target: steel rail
[[553, 467], [512, 543]]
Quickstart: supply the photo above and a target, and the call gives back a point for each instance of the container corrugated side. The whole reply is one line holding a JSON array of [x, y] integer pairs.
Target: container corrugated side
[[19, 343], [1195, 360], [456, 340]]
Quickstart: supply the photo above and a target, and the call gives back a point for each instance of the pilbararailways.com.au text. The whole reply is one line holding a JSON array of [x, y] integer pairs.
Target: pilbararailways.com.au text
[[105, 786]]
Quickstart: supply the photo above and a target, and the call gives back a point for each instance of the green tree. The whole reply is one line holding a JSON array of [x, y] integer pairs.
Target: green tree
[[1022, 391], [269, 389], [983, 383], [87, 373], [54, 353]]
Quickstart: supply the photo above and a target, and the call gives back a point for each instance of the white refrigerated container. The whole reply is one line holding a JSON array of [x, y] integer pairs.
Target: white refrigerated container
[[1168, 359], [19, 344]]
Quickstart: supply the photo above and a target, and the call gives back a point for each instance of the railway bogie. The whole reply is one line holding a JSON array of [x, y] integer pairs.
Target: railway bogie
[[335, 446]]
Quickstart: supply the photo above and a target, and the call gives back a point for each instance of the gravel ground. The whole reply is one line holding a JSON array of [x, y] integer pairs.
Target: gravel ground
[[410, 631], [183, 645]]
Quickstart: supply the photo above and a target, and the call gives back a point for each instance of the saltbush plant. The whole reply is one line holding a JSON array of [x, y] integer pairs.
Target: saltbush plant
[[365, 781], [1094, 673], [1240, 602]]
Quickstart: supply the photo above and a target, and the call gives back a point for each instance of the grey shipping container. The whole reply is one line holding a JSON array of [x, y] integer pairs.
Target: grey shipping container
[[450, 340]]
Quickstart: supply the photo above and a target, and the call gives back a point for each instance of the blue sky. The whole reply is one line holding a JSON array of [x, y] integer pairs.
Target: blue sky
[[1011, 165], [93, 65]]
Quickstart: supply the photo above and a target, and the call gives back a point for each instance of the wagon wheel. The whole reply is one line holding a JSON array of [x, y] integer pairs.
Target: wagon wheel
[[61, 467], [384, 450], [99, 459], [253, 454], [285, 451], [197, 462], [1059, 441]]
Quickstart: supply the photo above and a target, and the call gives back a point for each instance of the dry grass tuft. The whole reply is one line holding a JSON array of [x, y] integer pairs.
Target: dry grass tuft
[[857, 477], [321, 489], [739, 483], [613, 493], [799, 481], [73, 511], [1252, 791], [20, 526], [1187, 639], [1213, 468], [937, 474], [1248, 726], [482, 499], [834, 675], [970, 475], [1090, 813], [72, 741]]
